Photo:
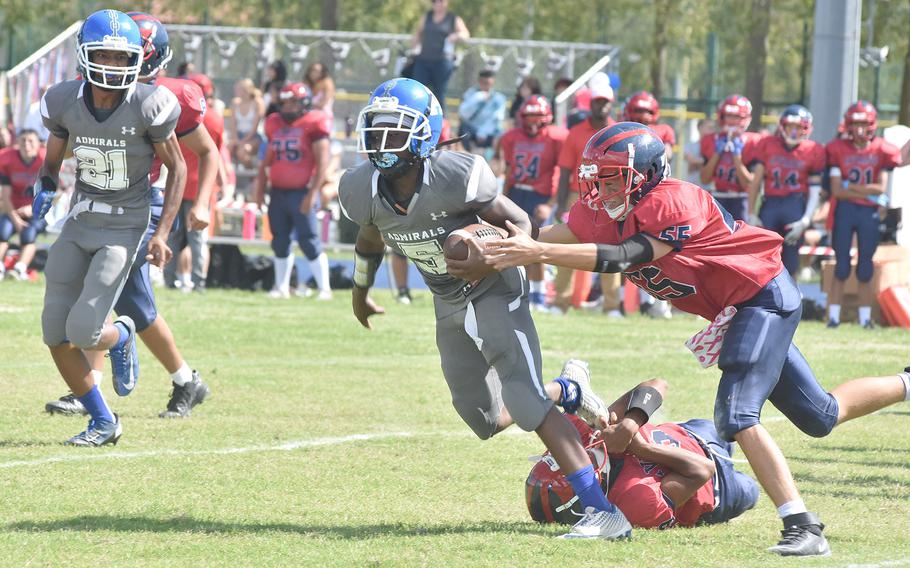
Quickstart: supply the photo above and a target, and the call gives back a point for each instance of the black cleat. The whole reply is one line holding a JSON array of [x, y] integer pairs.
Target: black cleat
[[67, 405], [869, 325], [184, 398], [832, 324], [802, 536]]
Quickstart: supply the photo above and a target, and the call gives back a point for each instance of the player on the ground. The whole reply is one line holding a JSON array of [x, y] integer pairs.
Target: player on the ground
[[295, 165], [530, 153], [660, 477], [411, 198], [672, 238], [18, 170], [115, 126], [728, 153], [791, 167], [859, 165], [137, 300]]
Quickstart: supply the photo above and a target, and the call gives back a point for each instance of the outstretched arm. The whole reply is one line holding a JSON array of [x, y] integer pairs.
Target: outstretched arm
[[368, 253]]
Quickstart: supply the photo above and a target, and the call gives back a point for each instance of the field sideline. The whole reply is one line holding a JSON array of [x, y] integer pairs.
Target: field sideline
[[326, 445]]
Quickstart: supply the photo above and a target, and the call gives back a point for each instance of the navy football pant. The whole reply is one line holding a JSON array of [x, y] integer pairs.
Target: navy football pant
[[734, 491], [852, 218], [286, 219], [736, 206], [778, 212], [760, 362]]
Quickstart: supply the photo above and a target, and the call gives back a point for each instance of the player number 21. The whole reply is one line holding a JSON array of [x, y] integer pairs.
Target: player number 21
[[104, 170]]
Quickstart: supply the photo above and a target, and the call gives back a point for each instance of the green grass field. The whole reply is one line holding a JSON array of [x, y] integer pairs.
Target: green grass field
[[327, 445]]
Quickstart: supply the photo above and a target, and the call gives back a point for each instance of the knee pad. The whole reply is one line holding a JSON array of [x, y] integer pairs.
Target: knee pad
[[817, 424], [281, 245], [842, 269], [864, 269], [527, 408], [53, 323], [81, 328], [482, 423], [730, 419], [311, 247]]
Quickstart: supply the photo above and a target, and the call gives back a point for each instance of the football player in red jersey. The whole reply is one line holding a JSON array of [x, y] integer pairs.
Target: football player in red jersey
[[643, 108], [295, 165], [137, 300], [672, 239], [728, 154], [530, 153], [791, 167], [859, 165], [19, 167], [659, 476]]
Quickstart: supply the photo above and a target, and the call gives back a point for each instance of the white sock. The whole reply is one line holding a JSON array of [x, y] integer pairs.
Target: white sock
[[97, 376], [21, 267], [644, 298], [865, 314], [184, 278], [792, 508], [834, 312], [536, 286], [283, 268], [319, 266], [905, 378], [183, 375]]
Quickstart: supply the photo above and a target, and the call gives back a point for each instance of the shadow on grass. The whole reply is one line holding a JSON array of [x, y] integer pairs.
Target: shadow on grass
[[92, 523]]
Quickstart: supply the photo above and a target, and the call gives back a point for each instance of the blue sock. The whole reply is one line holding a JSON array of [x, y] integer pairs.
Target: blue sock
[[97, 407], [124, 332], [589, 492], [569, 399]]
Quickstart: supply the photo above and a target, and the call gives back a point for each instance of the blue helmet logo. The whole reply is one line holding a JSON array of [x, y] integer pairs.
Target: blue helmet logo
[[109, 31]]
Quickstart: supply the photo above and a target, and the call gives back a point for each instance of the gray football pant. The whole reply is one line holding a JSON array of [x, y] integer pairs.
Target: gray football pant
[[86, 268], [490, 356], [181, 237]]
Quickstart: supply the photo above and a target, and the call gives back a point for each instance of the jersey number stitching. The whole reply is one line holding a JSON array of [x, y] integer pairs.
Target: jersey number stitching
[[427, 255], [650, 279], [104, 170]]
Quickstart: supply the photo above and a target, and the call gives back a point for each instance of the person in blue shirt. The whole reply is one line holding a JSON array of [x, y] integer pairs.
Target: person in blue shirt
[[482, 112]]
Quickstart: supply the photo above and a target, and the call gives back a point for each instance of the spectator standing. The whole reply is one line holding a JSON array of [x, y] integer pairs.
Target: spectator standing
[[247, 113], [322, 87], [434, 41], [482, 111], [528, 86]]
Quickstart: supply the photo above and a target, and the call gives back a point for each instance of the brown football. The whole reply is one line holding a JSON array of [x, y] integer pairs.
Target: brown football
[[455, 246]]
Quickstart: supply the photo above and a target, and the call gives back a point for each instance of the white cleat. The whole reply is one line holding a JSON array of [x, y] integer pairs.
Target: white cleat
[[324, 295], [277, 294], [601, 524], [590, 406]]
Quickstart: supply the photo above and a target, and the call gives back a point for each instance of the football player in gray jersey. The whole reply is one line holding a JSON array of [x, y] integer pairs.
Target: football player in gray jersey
[[115, 127], [410, 198]]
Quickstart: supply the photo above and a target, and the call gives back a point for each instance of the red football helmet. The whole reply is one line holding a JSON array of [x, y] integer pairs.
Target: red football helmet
[[860, 121], [549, 494], [642, 107], [535, 113], [295, 100], [734, 113], [619, 165]]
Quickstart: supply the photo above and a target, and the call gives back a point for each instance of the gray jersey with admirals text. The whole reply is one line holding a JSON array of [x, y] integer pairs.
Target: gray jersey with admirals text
[[455, 187], [114, 156]]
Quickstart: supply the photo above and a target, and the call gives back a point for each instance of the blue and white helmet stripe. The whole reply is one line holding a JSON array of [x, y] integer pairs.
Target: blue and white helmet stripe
[[114, 31], [401, 105]]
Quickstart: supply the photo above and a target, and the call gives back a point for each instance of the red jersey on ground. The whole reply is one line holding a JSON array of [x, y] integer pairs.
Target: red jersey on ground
[[532, 161], [787, 170], [289, 155], [574, 146], [214, 125], [19, 175], [192, 111], [724, 178], [717, 262], [637, 492], [863, 165], [665, 132]]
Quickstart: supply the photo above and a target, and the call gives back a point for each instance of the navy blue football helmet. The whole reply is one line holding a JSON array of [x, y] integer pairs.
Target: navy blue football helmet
[[795, 115], [156, 49], [620, 165], [396, 106], [109, 30]]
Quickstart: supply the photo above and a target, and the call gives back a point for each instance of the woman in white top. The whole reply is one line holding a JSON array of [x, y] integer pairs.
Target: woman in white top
[[322, 87], [247, 112]]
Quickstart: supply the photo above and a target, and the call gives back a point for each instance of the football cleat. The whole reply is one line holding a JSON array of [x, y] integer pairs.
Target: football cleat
[[404, 296], [832, 324], [869, 325], [67, 404], [98, 433], [324, 295], [805, 539], [590, 406], [278, 294], [601, 524], [125, 360], [184, 398]]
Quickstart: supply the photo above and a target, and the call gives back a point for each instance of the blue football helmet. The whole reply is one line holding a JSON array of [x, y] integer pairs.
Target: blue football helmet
[[399, 106], [620, 165], [156, 51], [798, 119], [109, 30]]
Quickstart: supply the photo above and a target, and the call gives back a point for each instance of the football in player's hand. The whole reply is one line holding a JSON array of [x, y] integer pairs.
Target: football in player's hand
[[455, 246]]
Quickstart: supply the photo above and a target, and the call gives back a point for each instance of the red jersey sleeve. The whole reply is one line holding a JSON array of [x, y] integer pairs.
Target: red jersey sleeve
[[643, 503], [890, 156], [506, 144], [750, 149], [316, 126], [832, 154], [272, 123], [192, 103], [707, 145]]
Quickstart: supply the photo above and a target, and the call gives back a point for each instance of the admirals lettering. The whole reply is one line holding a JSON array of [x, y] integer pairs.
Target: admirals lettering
[[100, 141]]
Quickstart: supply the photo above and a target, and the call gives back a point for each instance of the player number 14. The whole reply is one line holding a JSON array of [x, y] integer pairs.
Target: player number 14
[[104, 170]]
